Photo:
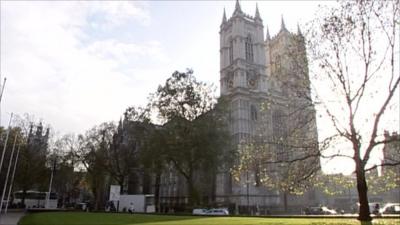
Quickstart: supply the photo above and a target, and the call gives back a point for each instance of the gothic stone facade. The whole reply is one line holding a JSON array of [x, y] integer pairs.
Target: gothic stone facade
[[267, 84]]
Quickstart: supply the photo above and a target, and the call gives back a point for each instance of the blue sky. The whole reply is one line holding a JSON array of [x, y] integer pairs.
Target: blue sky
[[76, 64]]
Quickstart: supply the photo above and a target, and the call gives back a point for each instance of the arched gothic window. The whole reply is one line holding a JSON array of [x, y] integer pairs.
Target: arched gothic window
[[249, 49], [253, 113], [278, 63], [230, 51], [280, 134], [229, 79]]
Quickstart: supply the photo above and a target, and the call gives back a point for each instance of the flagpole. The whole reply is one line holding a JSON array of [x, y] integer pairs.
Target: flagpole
[[12, 177], [2, 88], [8, 173], [51, 182], [1, 94], [5, 143]]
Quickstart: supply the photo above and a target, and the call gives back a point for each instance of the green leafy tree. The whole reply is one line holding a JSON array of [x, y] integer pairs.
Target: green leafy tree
[[32, 172], [282, 154], [127, 146], [92, 153], [67, 174], [192, 131], [382, 183], [334, 184]]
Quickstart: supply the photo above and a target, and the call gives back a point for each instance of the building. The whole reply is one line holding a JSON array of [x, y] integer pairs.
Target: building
[[391, 152], [266, 82], [391, 168]]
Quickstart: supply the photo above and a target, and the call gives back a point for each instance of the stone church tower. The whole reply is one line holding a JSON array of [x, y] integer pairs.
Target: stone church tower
[[243, 69], [267, 86]]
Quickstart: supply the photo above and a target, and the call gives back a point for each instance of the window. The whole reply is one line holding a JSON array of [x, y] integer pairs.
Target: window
[[278, 65], [249, 49], [229, 79], [280, 137], [253, 113], [231, 51]]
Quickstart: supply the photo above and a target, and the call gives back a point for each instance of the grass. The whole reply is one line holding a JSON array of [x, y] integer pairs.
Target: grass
[[81, 218]]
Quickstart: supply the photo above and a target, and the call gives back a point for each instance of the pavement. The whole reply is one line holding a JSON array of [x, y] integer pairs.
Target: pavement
[[11, 218]]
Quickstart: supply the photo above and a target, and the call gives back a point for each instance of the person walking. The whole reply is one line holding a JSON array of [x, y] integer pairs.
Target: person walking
[[131, 209]]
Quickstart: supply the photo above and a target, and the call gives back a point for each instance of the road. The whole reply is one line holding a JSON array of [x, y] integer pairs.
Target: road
[[11, 218]]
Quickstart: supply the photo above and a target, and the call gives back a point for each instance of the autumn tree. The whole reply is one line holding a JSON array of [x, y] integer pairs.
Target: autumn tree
[[282, 152], [282, 155], [353, 55]]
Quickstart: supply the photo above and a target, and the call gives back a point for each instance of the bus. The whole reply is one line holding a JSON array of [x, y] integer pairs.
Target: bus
[[36, 199]]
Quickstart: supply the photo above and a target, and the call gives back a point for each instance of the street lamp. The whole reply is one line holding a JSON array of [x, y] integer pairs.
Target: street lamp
[[247, 191], [53, 167]]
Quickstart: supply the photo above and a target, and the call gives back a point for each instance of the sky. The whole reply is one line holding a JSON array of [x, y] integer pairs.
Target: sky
[[76, 64]]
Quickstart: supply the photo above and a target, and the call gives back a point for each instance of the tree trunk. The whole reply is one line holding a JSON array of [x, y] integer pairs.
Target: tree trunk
[[285, 204], [23, 198], [121, 183], [157, 191], [95, 203], [192, 192], [364, 213]]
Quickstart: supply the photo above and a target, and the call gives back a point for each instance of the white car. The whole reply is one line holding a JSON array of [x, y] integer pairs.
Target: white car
[[218, 212], [199, 212], [391, 208]]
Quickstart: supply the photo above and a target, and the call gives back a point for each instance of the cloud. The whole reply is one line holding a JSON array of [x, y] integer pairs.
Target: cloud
[[106, 14], [127, 52], [59, 71]]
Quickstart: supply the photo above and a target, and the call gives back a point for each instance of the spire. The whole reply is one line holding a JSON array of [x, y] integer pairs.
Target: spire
[[268, 37], [47, 133], [298, 30], [238, 10], [224, 17], [283, 26], [257, 13]]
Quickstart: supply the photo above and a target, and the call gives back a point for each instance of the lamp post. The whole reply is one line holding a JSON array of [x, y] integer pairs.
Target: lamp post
[[53, 167], [247, 191]]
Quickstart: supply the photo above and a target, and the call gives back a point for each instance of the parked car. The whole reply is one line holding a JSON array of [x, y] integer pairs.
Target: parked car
[[218, 212], [84, 206], [199, 211], [320, 210], [391, 208], [374, 207]]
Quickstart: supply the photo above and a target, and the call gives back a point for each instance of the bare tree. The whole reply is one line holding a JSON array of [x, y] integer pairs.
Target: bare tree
[[353, 52]]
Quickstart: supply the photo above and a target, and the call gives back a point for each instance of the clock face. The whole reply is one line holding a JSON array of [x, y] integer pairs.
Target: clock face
[[252, 83], [251, 79], [230, 83], [229, 80]]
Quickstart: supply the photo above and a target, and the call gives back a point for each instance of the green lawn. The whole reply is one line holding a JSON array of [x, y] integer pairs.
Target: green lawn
[[76, 218]]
